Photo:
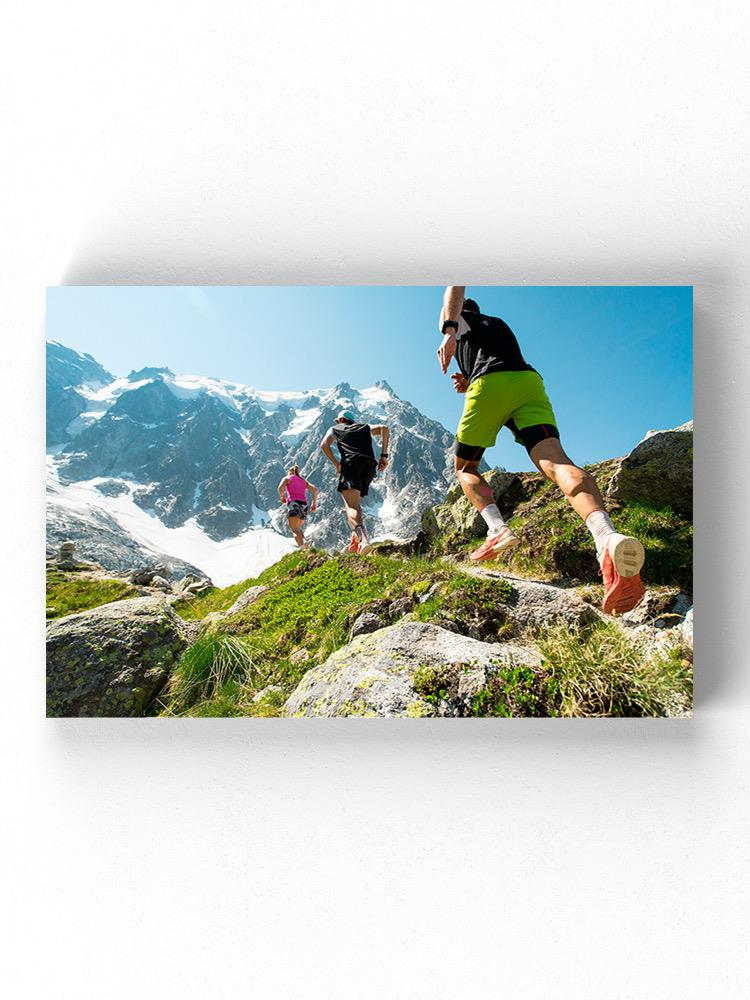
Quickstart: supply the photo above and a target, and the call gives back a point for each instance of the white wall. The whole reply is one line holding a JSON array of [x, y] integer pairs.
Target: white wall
[[389, 142]]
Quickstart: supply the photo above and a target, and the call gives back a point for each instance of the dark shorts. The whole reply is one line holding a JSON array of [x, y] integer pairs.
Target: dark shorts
[[357, 474], [296, 508]]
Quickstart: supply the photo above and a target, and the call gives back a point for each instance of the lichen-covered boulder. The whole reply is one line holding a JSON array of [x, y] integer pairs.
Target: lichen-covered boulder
[[457, 516], [658, 471], [112, 660], [392, 672]]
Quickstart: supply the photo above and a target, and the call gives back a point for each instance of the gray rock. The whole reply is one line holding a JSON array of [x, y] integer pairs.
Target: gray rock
[[423, 598], [687, 629], [112, 660], [682, 605], [534, 605], [664, 609], [66, 551], [246, 598], [160, 583], [374, 674], [400, 607], [368, 621], [658, 471]]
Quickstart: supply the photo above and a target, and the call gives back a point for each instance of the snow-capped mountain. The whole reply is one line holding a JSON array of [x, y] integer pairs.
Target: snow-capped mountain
[[188, 467]]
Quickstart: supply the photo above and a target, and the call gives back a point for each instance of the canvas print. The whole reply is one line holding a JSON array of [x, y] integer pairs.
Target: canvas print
[[383, 502]]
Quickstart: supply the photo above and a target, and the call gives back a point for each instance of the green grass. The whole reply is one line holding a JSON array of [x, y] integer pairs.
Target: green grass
[[668, 539], [310, 605], [70, 593], [598, 671], [222, 598], [215, 674]]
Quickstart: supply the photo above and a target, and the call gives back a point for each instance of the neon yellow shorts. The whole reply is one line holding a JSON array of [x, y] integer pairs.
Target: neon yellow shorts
[[517, 400]]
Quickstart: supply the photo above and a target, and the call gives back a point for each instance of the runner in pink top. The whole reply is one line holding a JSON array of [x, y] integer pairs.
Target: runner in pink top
[[293, 492], [296, 488]]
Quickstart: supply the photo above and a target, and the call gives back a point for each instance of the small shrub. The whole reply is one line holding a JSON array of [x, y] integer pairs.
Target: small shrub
[[432, 682], [515, 691]]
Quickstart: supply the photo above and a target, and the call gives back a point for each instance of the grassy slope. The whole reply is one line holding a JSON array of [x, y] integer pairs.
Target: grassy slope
[[313, 599], [68, 593], [555, 544]]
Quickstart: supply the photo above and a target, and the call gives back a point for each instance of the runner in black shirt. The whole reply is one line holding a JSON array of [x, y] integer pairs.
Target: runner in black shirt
[[501, 389], [356, 468]]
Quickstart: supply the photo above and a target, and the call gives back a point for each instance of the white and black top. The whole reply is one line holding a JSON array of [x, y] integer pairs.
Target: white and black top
[[487, 344]]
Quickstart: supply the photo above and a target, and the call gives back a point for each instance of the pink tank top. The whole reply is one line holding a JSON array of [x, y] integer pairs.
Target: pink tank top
[[296, 489]]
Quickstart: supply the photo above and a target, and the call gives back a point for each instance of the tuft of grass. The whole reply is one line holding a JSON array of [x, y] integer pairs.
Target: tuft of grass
[[599, 671], [216, 669], [68, 594]]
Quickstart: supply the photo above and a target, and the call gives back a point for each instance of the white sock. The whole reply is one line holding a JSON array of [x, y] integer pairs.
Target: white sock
[[493, 519], [601, 527]]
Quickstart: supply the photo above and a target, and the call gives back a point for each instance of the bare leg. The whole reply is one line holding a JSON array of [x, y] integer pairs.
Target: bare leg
[[476, 490], [579, 486], [352, 500], [295, 524]]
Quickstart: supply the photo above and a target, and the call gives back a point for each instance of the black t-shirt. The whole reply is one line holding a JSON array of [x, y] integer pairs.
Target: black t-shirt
[[354, 441], [487, 344]]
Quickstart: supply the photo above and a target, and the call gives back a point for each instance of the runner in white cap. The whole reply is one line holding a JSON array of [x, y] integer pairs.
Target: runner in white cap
[[356, 468]]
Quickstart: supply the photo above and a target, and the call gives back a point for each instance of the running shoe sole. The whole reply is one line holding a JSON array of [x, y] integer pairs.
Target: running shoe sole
[[492, 552], [627, 555]]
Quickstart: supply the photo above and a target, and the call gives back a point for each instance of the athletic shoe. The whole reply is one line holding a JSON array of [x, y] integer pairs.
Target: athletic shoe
[[621, 563], [366, 548], [494, 545], [353, 545]]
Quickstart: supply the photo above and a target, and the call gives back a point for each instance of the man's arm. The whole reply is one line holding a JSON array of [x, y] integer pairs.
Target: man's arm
[[381, 431], [282, 488], [453, 301], [325, 447]]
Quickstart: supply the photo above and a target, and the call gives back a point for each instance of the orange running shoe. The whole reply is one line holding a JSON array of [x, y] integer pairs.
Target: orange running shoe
[[353, 545], [621, 564], [495, 545]]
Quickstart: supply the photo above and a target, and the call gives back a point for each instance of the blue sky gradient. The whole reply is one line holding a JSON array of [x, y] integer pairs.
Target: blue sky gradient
[[617, 361]]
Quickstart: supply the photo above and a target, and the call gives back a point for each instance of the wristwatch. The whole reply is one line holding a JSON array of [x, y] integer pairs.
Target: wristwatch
[[384, 454], [447, 324]]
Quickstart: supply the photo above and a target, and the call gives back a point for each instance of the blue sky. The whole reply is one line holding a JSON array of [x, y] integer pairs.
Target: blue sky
[[616, 361]]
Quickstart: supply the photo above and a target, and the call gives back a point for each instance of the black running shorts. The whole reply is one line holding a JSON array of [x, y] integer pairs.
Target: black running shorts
[[357, 474]]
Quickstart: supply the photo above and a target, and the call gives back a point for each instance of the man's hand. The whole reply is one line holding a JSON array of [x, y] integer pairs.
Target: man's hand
[[460, 382], [313, 507], [446, 351], [337, 467], [383, 464]]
